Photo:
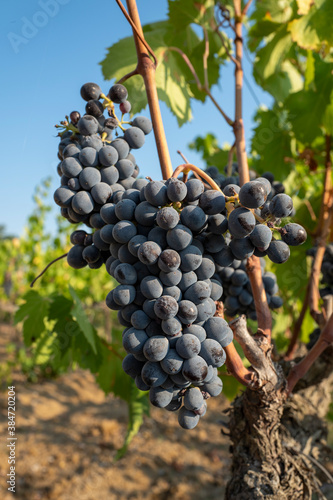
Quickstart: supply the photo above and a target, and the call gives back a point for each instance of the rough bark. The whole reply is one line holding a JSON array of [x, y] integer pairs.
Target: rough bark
[[279, 445]]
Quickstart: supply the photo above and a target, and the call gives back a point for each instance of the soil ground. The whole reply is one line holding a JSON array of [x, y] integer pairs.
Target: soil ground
[[68, 434]]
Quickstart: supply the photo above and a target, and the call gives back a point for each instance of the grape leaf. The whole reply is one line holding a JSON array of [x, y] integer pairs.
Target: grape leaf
[[284, 82], [271, 142], [309, 74], [171, 85], [82, 320], [262, 28], [307, 108], [33, 313], [278, 12], [110, 376], [313, 30], [211, 152], [176, 85], [271, 56], [303, 6], [328, 117], [186, 12]]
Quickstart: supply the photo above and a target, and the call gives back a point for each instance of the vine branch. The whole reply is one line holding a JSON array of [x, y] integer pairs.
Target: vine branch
[[187, 167], [256, 351], [146, 68], [259, 296], [234, 362], [243, 168], [323, 231], [46, 268], [138, 32], [298, 371]]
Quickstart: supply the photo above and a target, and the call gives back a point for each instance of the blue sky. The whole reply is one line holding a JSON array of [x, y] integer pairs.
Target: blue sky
[[49, 49]]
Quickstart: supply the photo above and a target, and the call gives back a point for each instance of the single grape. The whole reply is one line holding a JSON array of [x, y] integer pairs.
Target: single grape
[[123, 231], [90, 91], [193, 217], [193, 399], [151, 287], [187, 419], [75, 257], [89, 177], [212, 202], [87, 125], [195, 188], [171, 326], [253, 194], [83, 203], [125, 107], [167, 218], [293, 234], [160, 397], [278, 252], [156, 348], [281, 205], [143, 123], [149, 252], [118, 93], [241, 222], [134, 137], [176, 190], [153, 375], [179, 237], [195, 369], [94, 108], [261, 237]]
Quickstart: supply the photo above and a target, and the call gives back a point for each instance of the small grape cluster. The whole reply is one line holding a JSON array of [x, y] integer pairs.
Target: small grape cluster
[[94, 167], [223, 180], [237, 291]]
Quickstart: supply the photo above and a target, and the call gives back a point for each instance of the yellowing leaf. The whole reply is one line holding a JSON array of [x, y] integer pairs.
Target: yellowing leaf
[[314, 30], [303, 6]]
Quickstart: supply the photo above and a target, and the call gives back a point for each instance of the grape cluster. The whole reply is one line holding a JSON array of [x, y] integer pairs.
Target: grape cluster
[[237, 292], [175, 248], [94, 167], [167, 293]]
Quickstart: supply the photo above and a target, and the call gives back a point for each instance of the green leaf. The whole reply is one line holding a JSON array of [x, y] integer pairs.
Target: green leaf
[[262, 28], [33, 313], [286, 81], [138, 406], [278, 12], [83, 321], [176, 85], [314, 30], [186, 12], [171, 85], [211, 152], [328, 117], [271, 142], [307, 108], [44, 349], [110, 376], [270, 57], [309, 74]]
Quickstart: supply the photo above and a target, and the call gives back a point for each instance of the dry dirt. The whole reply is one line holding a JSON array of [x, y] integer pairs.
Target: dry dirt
[[68, 434]]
